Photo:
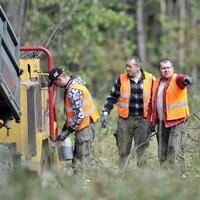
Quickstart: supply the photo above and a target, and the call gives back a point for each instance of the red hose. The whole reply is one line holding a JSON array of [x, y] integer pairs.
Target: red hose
[[52, 91]]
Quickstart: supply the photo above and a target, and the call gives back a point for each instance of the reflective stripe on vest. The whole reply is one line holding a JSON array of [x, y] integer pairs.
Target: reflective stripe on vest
[[85, 113], [125, 90], [89, 108], [147, 94], [123, 104], [84, 104], [125, 95], [178, 105]]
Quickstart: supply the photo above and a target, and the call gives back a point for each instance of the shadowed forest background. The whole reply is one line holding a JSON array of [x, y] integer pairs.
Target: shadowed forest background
[[93, 38]]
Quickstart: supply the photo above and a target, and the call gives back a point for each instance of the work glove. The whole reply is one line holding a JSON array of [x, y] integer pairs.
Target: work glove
[[104, 119], [63, 135], [150, 128], [187, 80]]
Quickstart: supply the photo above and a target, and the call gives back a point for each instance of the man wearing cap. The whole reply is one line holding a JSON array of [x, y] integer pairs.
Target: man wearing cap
[[81, 115]]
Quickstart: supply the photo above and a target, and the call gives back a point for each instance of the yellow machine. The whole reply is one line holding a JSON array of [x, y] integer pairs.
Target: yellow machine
[[29, 139], [27, 107]]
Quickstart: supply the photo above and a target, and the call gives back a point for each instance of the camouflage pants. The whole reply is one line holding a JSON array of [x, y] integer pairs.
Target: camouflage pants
[[129, 129], [171, 143], [82, 149]]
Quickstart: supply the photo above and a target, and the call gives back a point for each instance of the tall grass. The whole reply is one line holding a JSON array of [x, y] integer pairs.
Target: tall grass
[[106, 181]]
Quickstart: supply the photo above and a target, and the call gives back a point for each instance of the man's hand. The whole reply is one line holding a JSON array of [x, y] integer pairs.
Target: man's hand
[[187, 80], [104, 119], [150, 128], [63, 135]]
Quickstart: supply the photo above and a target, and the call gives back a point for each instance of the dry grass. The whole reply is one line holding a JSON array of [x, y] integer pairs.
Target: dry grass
[[106, 182]]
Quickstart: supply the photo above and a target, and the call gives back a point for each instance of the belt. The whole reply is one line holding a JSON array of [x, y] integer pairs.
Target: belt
[[136, 116]]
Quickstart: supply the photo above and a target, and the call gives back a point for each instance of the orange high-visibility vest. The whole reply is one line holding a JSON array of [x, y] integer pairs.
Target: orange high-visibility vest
[[89, 108], [176, 100], [125, 90]]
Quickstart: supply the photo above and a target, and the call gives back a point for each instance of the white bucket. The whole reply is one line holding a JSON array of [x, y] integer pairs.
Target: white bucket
[[66, 150]]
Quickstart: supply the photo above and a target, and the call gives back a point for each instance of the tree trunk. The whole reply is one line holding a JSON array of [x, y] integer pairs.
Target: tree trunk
[[16, 13], [163, 7], [141, 32], [181, 53], [194, 43]]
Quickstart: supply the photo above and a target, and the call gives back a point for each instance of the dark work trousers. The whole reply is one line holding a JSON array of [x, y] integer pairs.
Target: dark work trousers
[[171, 144], [129, 129], [82, 149]]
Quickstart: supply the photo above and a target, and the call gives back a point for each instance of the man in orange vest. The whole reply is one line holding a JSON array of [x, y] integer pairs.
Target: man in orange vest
[[132, 92], [81, 115], [169, 110]]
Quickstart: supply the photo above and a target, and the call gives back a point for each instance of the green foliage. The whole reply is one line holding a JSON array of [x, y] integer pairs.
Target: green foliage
[[94, 40], [95, 36], [89, 38], [106, 181], [3, 1]]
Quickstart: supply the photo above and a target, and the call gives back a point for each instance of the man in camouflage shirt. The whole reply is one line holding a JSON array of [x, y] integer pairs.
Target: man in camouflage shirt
[[81, 115]]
